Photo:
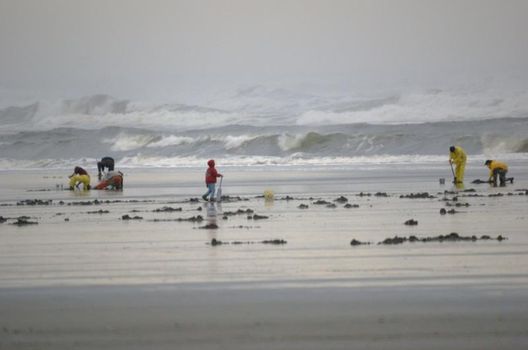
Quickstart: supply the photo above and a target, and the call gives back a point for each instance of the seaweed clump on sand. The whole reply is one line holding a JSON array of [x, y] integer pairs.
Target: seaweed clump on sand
[[411, 222], [418, 195], [35, 202], [128, 217], [24, 221], [239, 212], [450, 211], [364, 194], [355, 242], [100, 211], [303, 206], [209, 227], [341, 199], [197, 218], [452, 237], [166, 210], [348, 206], [2, 219], [257, 217], [215, 242]]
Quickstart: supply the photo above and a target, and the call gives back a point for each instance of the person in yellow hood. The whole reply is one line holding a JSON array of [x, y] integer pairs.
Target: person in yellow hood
[[458, 156], [497, 170], [79, 176]]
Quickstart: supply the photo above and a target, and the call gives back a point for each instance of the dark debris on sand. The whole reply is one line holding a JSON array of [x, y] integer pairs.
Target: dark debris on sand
[[239, 212], [341, 199], [209, 227], [363, 194], [197, 218], [411, 222], [100, 211], [452, 237], [303, 206], [418, 195], [348, 206], [257, 217], [321, 202], [35, 202], [128, 217], [450, 211], [456, 204], [23, 221], [355, 242], [215, 242], [166, 210], [98, 202]]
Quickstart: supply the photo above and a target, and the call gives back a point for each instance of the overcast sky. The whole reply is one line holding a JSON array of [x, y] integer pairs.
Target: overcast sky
[[141, 47]]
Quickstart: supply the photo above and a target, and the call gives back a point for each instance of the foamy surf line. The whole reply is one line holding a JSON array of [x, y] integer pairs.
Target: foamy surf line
[[423, 161]]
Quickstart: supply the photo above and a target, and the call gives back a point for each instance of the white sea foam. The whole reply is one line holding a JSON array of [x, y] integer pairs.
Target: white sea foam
[[427, 107], [171, 140], [288, 142], [260, 107], [124, 142], [295, 160], [236, 141]]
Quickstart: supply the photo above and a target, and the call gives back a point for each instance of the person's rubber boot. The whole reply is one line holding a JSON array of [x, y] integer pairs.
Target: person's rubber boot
[[204, 197]]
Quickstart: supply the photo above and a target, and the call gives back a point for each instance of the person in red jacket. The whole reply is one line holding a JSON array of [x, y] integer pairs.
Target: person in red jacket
[[210, 180]]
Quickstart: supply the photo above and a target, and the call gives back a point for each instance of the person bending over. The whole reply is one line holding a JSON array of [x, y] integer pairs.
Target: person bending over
[[105, 163], [113, 180], [79, 176], [498, 170]]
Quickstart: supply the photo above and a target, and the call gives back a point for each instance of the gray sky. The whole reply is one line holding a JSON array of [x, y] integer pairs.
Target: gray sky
[[135, 48]]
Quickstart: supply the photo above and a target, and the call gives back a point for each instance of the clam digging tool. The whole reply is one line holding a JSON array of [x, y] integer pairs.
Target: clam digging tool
[[219, 191], [453, 172]]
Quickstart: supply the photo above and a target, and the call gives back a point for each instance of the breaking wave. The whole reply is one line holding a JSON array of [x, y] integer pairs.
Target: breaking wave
[[265, 125], [267, 145]]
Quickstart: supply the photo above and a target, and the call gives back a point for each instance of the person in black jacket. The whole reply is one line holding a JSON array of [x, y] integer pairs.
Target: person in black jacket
[[105, 163]]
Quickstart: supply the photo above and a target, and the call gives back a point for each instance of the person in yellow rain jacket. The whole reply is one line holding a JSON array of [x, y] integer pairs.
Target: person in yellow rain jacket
[[497, 170], [458, 156], [79, 176]]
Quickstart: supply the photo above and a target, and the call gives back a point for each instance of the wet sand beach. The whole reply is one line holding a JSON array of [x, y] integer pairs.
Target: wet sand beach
[[138, 269]]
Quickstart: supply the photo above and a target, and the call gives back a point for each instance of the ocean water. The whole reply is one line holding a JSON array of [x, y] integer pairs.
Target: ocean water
[[264, 126]]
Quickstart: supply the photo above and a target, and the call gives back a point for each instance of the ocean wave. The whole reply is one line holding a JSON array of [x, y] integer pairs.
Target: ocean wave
[[125, 142], [295, 160], [487, 137], [170, 141], [423, 108], [261, 106]]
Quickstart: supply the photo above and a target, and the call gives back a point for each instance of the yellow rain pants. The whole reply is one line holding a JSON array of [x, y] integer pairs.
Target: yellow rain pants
[[458, 157], [84, 179]]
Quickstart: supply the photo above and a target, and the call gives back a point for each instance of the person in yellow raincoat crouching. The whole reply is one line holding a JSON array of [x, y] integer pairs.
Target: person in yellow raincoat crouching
[[498, 171], [79, 176]]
